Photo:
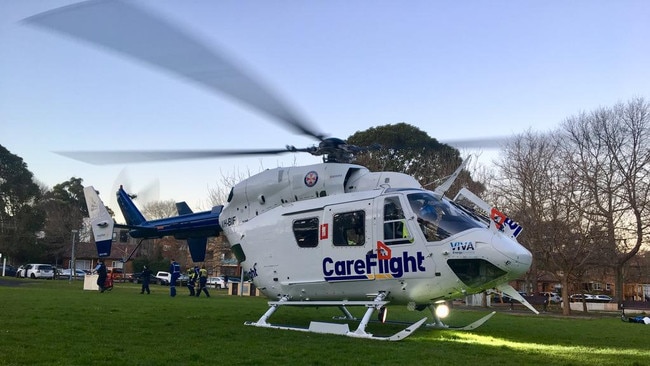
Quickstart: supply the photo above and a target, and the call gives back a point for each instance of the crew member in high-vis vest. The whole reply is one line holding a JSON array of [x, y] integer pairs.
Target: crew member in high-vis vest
[[175, 270], [203, 282], [191, 281]]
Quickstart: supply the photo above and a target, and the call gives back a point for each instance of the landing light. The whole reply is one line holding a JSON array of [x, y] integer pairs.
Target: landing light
[[442, 310]]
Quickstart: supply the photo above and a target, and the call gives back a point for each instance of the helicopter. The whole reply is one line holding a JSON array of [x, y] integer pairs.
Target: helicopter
[[327, 234]]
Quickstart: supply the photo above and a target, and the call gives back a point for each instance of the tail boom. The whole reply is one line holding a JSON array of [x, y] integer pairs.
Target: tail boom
[[101, 222], [190, 226]]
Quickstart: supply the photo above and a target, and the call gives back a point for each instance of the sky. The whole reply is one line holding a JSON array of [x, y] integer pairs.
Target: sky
[[454, 69]]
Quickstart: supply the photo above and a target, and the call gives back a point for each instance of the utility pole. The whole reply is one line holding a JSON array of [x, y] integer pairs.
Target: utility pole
[[73, 269]]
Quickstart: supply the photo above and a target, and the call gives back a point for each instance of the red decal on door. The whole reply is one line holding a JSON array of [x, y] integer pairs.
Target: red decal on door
[[324, 231]]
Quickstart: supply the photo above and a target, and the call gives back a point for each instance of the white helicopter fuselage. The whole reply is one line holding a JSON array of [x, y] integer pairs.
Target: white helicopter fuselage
[[324, 232]]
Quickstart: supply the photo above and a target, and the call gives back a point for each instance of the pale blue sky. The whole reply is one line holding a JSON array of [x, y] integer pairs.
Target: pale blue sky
[[455, 69]]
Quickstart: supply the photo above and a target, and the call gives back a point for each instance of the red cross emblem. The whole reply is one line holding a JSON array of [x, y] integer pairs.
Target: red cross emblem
[[311, 178]]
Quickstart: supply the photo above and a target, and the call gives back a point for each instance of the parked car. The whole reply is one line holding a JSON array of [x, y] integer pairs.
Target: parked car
[[217, 282], [165, 277], [554, 296], [20, 271], [36, 270], [137, 278], [8, 270], [579, 297], [600, 298], [65, 273], [117, 274]]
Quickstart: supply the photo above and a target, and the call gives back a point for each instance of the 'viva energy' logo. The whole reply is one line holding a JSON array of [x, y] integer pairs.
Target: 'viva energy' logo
[[380, 265]]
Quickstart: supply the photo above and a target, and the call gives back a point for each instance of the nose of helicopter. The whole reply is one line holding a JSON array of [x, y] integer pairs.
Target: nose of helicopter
[[517, 258]]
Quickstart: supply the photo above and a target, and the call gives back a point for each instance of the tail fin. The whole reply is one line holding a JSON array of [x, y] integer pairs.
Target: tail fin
[[197, 248], [101, 222], [183, 208], [132, 215]]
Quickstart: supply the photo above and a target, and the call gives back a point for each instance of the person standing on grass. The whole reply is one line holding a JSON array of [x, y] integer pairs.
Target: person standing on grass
[[146, 276], [100, 269], [191, 280], [175, 270], [203, 282]]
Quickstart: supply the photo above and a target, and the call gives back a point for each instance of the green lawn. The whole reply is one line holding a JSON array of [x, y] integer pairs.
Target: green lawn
[[57, 323]]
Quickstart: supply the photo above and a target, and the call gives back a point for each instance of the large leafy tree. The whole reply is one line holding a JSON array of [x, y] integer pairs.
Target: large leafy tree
[[65, 208], [407, 149], [20, 219]]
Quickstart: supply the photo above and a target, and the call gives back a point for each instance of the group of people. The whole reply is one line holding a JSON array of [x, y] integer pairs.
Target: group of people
[[196, 276]]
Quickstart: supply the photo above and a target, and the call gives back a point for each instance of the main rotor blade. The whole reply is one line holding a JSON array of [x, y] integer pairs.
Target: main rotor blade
[[478, 143], [140, 156], [138, 34]]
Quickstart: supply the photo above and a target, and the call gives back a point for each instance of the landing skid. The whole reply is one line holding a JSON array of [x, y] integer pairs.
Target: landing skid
[[471, 326], [335, 328]]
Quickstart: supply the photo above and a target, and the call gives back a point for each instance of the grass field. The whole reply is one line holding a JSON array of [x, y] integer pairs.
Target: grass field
[[57, 323]]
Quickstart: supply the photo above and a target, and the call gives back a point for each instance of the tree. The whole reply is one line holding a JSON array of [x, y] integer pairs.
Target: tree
[[581, 192], [20, 219], [65, 209], [407, 149], [523, 189], [159, 209], [612, 157], [545, 195]]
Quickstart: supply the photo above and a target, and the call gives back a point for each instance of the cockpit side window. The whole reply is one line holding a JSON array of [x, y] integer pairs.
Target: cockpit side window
[[349, 228], [395, 228], [437, 218], [306, 232]]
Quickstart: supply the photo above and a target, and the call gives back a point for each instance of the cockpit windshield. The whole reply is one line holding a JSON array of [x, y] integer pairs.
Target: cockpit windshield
[[439, 219]]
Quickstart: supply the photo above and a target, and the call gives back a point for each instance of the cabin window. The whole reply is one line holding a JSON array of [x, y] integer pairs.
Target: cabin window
[[349, 228], [306, 232], [395, 229]]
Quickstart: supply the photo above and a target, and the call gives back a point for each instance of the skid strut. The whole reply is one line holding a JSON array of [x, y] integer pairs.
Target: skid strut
[[336, 328]]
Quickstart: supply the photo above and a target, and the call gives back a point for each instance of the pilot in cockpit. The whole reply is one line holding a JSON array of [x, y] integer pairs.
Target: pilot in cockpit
[[429, 214]]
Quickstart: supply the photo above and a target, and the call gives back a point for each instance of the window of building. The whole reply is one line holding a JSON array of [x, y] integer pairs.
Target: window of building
[[349, 228], [306, 232], [124, 236]]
